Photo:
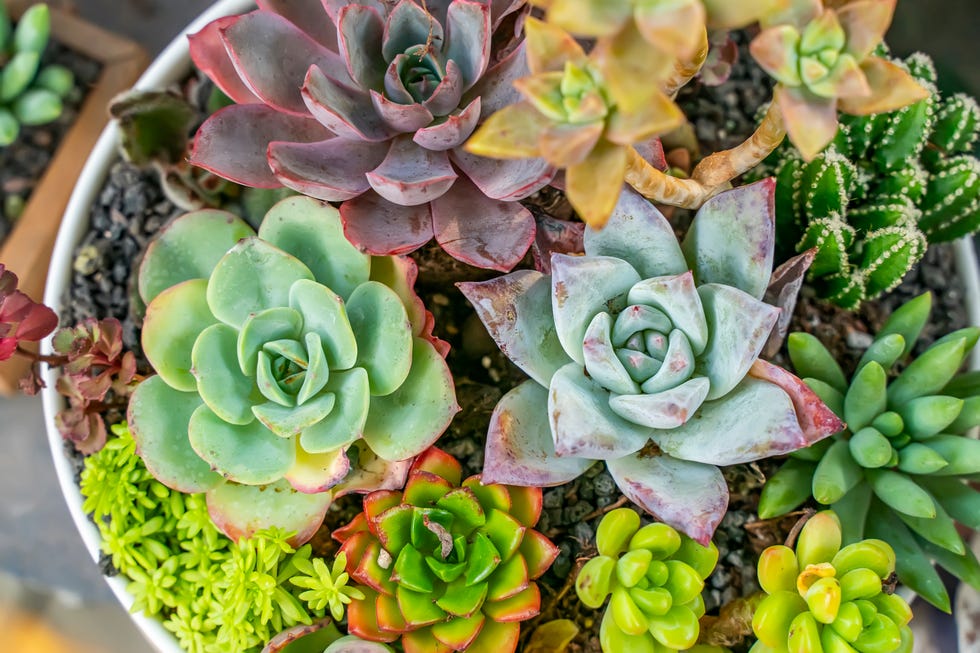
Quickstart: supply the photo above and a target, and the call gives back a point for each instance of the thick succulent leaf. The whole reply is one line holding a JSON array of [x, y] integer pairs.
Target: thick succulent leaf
[[250, 454], [776, 51], [324, 313], [468, 39], [892, 87], [346, 111], [755, 420], [272, 57], [313, 233], [513, 132], [601, 362], [380, 227], [817, 421], [582, 423], [565, 145], [740, 326], [240, 511], [452, 131], [189, 248], [210, 56], [400, 117], [158, 417], [495, 89], [732, 238], [232, 143], [594, 185], [481, 231], [516, 310], [673, 27], [360, 29], [549, 47], [399, 273], [220, 381], [309, 15], [689, 496], [412, 175], [640, 235], [448, 94], [408, 24], [384, 336], [643, 115], [406, 422], [679, 300], [590, 18], [317, 472], [865, 23], [173, 322], [289, 421], [332, 170], [583, 287], [345, 422], [666, 409], [266, 326], [504, 179], [520, 448], [810, 121], [251, 277]]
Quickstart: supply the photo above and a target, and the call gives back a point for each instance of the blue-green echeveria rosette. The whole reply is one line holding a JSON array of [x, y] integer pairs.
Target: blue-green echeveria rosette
[[286, 360], [645, 351]]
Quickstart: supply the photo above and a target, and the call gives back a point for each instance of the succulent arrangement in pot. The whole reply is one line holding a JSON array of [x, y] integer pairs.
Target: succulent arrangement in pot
[[296, 435]]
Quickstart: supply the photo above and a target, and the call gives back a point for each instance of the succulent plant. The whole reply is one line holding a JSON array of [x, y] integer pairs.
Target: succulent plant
[[888, 184], [655, 576], [822, 597], [897, 471], [643, 353], [447, 566], [21, 318], [368, 103], [286, 360], [29, 94], [822, 58]]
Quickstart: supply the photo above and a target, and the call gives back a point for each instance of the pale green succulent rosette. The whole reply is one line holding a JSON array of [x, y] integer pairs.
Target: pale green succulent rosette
[[286, 360], [645, 353]]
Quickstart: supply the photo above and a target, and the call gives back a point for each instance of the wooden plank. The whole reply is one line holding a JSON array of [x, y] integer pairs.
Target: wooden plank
[[27, 250]]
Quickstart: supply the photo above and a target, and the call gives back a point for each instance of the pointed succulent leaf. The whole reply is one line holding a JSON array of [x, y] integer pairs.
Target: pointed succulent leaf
[[209, 55], [816, 419], [776, 50], [595, 183], [333, 169], [812, 360], [549, 47], [891, 88], [811, 121]]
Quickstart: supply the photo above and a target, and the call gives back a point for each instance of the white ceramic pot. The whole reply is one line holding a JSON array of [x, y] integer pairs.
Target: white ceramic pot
[[170, 67]]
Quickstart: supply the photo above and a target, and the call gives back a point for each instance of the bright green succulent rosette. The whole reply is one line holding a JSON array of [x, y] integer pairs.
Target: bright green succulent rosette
[[285, 360]]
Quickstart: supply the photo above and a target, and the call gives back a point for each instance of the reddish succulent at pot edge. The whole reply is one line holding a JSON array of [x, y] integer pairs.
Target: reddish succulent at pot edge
[[21, 318], [368, 104], [447, 565]]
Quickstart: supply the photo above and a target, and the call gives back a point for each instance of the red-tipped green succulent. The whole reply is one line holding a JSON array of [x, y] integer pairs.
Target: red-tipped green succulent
[[581, 114], [655, 576], [275, 354], [21, 318], [644, 353], [368, 103], [447, 566], [822, 58], [822, 597]]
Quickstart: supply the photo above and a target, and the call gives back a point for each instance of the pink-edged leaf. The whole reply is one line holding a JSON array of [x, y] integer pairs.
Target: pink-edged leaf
[[468, 38], [346, 111], [865, 23], [400, 273], [733, 237], [361, 31], [243, 510], [776, 50], [516, 310], [504, 179], [373, 473], [407, 25], [810, 121], [447, 95], [784, 287], [755, 420], [322, 632], [520, 449], [209, 54], [481, 231], [317, 472], [816, 420], [689, 496], [892, 87], [411, 175], [272, 57], [334, 7], [401, 117], [309, 15], [36, 321], [652, 151], [452, 131], [496, 87], [555, 236], [380, 227], [499, 9], [233, 142], [332, 170]]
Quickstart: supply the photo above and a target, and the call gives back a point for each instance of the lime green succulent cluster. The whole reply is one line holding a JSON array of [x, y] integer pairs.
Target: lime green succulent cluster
[[214, 595], [890, 184], [29, 94], [822, 598], [897, 472], [654, 576]]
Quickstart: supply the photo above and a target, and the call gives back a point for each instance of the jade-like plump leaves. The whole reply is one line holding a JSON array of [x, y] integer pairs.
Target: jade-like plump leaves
[[446, 565], [654, 576], [645, 353], [825, 593], [896, 472], [276, 352]]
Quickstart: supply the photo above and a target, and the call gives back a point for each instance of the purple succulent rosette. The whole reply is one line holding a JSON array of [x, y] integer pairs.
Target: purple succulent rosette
[[645, 353], [369, 104]]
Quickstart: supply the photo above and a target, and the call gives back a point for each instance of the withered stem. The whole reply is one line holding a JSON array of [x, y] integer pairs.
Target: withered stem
[[722, 167], [661, 187], [685, 70]]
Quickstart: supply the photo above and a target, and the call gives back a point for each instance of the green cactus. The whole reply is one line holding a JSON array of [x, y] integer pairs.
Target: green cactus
[[888, 185], [29, 94], [896, 473], [654, 575], [822, 597]]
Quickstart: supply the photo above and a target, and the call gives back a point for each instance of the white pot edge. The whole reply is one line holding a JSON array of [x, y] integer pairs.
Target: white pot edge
[[168, 68]]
